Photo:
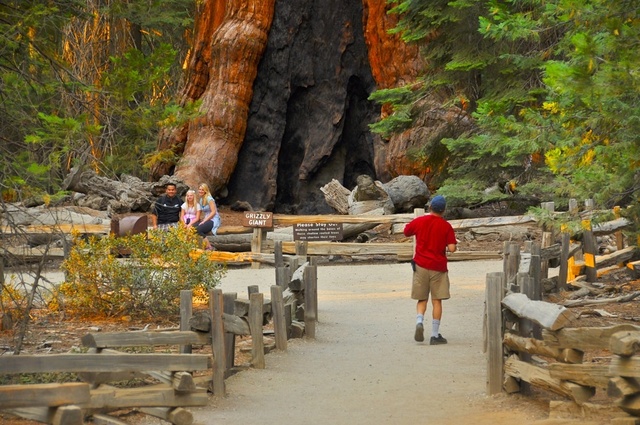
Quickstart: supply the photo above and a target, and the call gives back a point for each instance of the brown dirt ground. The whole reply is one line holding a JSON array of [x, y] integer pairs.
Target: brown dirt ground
[[53, 334]]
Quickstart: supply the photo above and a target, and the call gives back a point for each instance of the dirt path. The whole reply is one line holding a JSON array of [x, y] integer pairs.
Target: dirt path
[[364, 366]]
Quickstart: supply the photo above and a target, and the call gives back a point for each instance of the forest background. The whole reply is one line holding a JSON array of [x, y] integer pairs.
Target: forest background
[[545, 95]]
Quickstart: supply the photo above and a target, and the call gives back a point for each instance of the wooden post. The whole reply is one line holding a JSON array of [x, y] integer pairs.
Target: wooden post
[[310, 302], [279, 321], [589, 249], [256, 302], [547, 241], [573, 206], [216, 309], [252, 289], [186, 311], [229, 300], [301, 251], [283, 276], [619, 236], [278, 255], [536, 273], [495, 361], [525, 326], [256, 244], [564, 259], [511, 261]]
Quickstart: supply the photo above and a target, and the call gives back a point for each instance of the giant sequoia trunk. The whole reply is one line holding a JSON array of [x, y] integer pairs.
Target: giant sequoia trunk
[[285, 89]]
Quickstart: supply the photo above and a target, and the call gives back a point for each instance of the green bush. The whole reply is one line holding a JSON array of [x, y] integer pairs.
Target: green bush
[[138, 276]]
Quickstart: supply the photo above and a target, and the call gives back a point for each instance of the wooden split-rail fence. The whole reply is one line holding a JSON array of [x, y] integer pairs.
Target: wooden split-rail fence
[[238, 244], [530, 344], [180, 379]]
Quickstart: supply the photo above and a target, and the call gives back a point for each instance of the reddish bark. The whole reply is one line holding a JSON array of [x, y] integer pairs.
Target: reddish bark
[[393, 63], [229, 43], [209, 17]]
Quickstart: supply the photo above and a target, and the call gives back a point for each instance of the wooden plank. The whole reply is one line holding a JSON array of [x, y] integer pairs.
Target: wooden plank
[[102, 419], [628, 367], [351, 248], [615, 257], [63, 415], [538, 347], [540, 377], [589, 374], [28, 253], [102, 363], [155, 396], [583, 339], [58, 228], [36, 395], [175, 415], [548, 315], [140, 339], [290, 220]]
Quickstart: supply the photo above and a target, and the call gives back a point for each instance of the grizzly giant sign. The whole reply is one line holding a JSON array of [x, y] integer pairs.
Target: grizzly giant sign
[[257, 219]]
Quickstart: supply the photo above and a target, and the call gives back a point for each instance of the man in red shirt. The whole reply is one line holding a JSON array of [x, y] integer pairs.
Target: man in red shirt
[[434, 237]]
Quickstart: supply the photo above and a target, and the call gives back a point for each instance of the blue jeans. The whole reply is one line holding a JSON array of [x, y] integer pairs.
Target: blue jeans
[[209, 226]]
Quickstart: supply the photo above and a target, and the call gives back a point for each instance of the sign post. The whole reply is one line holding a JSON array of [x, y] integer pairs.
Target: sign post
[[259, 221]]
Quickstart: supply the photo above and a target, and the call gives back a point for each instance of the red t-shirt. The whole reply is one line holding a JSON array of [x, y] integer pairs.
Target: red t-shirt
[[433, 233]]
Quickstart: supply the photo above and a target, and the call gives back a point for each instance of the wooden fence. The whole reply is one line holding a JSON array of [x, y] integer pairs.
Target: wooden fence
[[257, 245], [292, 310], [529, 343]]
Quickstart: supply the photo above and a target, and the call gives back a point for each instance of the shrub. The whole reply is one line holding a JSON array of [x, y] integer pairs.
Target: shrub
[[138, 276]]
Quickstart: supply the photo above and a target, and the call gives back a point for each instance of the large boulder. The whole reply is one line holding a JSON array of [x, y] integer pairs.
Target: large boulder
[[407, 193]]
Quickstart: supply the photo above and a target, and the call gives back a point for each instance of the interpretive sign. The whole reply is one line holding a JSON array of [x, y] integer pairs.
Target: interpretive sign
[[317, 232], [257, 219]]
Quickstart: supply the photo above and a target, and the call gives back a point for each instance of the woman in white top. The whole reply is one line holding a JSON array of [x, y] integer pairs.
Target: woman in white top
[[190, 210], [210, 216]]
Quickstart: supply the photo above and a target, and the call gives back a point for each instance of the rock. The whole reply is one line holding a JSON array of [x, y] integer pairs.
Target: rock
[[241, 206], [368, 196], [407, 193], [368, 190]]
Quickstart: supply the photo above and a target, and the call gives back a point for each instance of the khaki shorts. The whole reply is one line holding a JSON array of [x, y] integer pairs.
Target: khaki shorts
[[427, 282]]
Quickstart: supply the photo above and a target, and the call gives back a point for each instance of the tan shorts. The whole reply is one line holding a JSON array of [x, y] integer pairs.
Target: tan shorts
[[427, 282]]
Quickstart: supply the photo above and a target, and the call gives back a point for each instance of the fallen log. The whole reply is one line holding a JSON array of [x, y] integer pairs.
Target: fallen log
[[616, 257], [620, 299]]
